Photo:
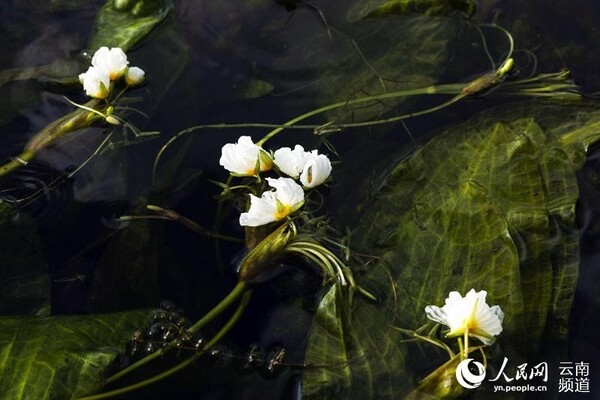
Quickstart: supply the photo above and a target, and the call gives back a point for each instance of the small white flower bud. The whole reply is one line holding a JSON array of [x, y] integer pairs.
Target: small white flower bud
[[134, 76]]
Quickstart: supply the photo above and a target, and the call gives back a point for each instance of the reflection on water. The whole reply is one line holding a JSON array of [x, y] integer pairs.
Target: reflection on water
[[255, 61]]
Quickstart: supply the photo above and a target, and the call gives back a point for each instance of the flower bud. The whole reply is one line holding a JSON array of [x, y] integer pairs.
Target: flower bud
[[134, 76], [263, 257]]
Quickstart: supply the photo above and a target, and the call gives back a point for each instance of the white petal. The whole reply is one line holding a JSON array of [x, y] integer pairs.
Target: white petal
[[113, 62], [316, 171], [436, 314], [96, 83], [290, 162], [454, 298], [263, 210], [101, 54], [289, 193], [489, 319], [241, 157]]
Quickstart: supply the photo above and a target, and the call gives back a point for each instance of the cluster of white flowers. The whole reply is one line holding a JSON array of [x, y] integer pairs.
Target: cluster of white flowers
[[470, 314], [245, 158], [109, 66]]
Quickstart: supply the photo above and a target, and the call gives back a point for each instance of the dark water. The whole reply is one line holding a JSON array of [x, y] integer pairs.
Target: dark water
[[201, 65]]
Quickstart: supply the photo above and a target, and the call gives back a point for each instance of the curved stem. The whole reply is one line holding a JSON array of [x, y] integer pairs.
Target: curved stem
[[217, 227], [441, 89], [452, 88], [327, 269], [327, 258], [427, 339], [218, 336], [511, 42], [237, 291], [173, 215]]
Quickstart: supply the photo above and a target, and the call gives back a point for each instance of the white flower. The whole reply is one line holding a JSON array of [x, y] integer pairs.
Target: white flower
[[241, 158], [312, 168], [113, 62], [316, 171], [469, 314], [274, 205], [291, 162], [134, 76], [96, 83]]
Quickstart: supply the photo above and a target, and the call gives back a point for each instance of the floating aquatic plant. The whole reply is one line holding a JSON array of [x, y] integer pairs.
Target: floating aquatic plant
[[108, 70], [280, 223], [295, 235]]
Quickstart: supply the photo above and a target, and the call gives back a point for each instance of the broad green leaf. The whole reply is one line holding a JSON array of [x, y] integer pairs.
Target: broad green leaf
[[344, 353], [488, 204], [24, 279], [60, 357], [123, 23]]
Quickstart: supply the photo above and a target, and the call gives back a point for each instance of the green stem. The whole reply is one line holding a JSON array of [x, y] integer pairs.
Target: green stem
[[329, 259], [427, 339], [218, 336], [217, 227], [237, 291], [21, 160], [586, 135], [77, 119], [327, 269], [173, 215], [453, 88]]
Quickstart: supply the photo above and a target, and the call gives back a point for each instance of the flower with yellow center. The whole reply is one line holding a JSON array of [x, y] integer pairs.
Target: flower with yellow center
[[274, 205], [468, 316], [112, 61]]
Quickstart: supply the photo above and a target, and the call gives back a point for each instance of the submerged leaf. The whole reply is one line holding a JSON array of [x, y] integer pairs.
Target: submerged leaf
[[252, 89], [416, 52], [24, 279], [384, 8], [125, 23], [490, 205], [60, 357], [348, 356]]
